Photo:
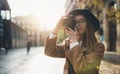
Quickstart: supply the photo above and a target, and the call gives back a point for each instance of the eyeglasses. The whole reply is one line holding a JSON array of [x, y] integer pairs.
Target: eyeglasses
[[80, 22]]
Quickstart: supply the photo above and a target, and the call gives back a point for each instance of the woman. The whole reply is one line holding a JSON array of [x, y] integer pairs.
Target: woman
[[28, 47], [82, 51]]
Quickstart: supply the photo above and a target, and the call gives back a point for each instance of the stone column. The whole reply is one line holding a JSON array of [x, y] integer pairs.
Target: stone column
[[110, 26], [105, 28], [118, 23]]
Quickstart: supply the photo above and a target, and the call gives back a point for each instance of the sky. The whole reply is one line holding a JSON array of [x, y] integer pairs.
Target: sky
[[47, 12]]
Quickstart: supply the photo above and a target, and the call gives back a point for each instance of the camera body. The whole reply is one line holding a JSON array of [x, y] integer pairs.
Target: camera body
[[69, 22]]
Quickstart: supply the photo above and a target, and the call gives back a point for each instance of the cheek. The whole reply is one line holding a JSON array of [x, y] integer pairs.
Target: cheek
[[82, 31], [84, 28]]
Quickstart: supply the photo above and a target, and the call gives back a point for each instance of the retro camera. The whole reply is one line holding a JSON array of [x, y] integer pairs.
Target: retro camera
[[69, 22]]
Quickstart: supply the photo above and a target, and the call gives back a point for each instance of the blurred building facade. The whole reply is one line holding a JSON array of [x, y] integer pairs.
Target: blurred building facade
[[5, 20], [29, 24], [108, 13], [15, 32], [11, 35], [18, 36]]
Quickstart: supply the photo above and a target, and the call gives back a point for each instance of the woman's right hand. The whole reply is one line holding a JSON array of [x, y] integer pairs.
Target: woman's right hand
[[73, 35]]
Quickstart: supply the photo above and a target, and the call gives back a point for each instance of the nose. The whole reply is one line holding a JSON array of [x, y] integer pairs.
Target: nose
[[78, 24]]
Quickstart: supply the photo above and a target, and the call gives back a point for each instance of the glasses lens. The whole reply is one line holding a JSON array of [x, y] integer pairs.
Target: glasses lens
[[80, 22]]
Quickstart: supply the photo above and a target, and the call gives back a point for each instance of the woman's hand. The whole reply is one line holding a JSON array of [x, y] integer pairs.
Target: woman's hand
[[73, 35], [59, 25]]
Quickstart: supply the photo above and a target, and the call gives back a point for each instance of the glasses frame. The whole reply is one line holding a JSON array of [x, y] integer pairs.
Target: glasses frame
[[80, 22]]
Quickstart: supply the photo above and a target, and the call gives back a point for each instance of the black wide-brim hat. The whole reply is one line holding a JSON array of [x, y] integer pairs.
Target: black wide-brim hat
[[88, 16]]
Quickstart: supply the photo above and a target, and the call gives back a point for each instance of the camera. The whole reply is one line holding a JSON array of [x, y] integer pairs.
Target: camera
[[69, 22]]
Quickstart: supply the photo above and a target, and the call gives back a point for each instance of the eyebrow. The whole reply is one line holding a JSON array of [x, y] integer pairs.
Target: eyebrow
[[81, 20]]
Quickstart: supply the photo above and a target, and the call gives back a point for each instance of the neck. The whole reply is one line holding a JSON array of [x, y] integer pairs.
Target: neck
[[80, 38]]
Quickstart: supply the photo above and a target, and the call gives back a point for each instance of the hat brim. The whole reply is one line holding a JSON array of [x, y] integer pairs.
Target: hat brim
[[88, 15]]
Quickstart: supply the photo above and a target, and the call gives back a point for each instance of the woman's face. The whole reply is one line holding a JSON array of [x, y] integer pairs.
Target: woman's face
[[80, 24]]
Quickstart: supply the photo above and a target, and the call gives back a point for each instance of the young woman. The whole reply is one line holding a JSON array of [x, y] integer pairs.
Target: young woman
[[82, 51]]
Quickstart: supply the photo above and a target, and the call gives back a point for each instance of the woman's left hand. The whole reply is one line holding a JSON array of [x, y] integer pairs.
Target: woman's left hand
[[73, 35]]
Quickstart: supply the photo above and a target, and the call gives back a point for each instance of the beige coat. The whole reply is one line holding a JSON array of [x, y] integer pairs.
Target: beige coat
[[82, 63]]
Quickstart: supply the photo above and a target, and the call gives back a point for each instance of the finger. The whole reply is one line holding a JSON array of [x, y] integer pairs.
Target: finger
[[71, 29], [67, 30], [76, 31], [72, 32], [67, 33]]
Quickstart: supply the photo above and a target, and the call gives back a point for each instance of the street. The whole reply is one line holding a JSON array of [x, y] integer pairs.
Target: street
[[17, 61]]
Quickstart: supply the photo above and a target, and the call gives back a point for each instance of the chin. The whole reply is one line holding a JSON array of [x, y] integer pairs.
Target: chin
[[80, 33]]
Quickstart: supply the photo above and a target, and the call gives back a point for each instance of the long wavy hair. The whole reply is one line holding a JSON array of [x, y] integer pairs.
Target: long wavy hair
[[89, 39]]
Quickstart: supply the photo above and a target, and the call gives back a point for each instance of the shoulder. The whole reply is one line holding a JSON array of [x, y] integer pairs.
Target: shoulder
[[100, 47], [99, 44]]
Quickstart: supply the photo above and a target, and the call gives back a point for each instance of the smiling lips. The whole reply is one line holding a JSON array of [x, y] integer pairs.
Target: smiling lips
[[79, 29]]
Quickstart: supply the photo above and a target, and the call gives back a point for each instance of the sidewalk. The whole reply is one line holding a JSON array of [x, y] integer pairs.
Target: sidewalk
[[15, 57], [110, 63], [118, 47]]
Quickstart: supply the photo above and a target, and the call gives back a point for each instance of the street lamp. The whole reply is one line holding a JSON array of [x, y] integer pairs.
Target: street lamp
[[6, 14]]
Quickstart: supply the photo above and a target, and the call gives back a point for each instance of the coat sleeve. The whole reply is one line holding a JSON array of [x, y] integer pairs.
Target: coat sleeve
[[52, 49], [82, 62]]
